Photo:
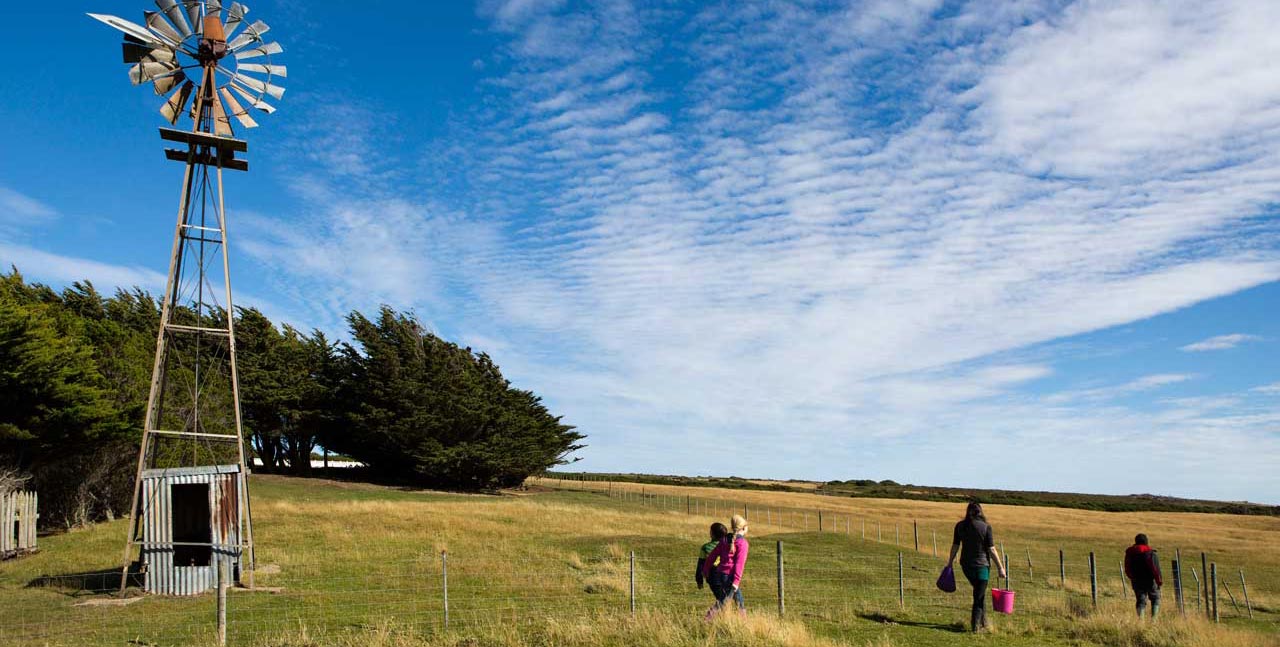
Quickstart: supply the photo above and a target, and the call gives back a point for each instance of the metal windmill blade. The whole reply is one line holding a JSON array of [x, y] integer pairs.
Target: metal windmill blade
[[135, 52], [266, 68], [146, 71], [252, 100], [193, 8], [161, 27], [172, 108], [241, 114], [176, 16], [168, 82], [235, 16], [252, 34], [262, 87], [266, 49]]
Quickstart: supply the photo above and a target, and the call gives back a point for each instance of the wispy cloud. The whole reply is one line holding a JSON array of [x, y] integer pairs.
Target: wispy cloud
[[1267, 389], [1221, 342], [756, 217], [57, 268], [1138, 385], [23, 208]]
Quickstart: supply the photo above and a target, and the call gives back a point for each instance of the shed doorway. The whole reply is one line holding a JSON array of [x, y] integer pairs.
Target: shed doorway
[[191, 524]]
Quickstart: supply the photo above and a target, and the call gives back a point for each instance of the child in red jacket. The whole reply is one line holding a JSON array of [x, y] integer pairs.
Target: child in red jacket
[[1143, 569]]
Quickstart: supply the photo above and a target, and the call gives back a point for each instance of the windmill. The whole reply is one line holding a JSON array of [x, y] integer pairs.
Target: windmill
[[190, 515]]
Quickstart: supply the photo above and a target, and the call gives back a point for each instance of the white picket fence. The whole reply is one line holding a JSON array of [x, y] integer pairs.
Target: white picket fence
[[18, 515]]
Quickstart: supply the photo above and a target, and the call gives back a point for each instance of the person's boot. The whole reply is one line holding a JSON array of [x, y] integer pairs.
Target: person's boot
[[976, 620]]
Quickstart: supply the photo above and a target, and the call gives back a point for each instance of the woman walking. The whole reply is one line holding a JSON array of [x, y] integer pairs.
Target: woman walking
[[723, 567], [975, 542]]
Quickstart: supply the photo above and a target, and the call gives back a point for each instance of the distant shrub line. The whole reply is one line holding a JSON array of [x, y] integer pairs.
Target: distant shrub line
[[887, 489]]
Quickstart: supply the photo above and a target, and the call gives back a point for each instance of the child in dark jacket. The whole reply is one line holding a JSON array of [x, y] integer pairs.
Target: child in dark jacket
[[718, 531], [1143, 569]]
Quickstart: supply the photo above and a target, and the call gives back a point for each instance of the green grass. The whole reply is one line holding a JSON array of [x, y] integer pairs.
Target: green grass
[[354, 564]]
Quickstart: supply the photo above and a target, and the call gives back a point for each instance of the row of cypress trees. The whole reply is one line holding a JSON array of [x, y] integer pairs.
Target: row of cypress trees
[[414, 408]]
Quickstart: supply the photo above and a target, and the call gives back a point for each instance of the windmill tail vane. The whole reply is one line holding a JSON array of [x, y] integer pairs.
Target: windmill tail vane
[[190, 520]]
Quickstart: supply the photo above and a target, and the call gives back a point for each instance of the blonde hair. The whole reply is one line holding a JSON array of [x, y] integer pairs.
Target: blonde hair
[[738, 524]]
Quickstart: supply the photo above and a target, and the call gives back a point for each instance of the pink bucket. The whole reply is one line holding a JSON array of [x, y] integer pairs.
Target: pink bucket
[[1002, 600]]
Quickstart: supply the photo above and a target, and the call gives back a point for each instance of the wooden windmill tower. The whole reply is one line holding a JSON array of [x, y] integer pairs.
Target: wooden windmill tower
[[190, 513]]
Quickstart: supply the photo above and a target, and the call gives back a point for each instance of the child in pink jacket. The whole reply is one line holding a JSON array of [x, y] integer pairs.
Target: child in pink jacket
[[723, 567]]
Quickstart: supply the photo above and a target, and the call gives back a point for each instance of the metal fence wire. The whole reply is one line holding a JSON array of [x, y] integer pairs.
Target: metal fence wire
[[805, 576]]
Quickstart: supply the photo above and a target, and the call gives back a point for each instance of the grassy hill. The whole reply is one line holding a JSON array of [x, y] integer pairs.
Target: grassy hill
[[354, 564]]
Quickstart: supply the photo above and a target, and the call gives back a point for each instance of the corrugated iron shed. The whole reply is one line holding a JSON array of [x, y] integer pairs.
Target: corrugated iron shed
[[193, 521]]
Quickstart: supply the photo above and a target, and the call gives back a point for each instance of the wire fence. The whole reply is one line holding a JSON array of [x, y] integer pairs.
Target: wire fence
[[825, 578]]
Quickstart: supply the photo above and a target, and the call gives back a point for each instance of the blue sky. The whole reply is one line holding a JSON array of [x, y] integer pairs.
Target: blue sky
[[1023, 245]]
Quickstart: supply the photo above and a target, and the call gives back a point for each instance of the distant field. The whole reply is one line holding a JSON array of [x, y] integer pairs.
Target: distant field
[[353, 564], [865, 488]]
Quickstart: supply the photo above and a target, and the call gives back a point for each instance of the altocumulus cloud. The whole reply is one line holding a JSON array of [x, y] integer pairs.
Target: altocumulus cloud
[[814, 230]]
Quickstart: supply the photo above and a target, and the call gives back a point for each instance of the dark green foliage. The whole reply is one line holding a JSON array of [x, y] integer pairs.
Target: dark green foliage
[[73, 374], [75, 371], [428, 411]]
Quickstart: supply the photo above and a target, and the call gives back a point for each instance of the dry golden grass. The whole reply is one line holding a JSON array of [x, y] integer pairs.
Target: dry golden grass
[[657, 630], [1239, 541], [360, 565]]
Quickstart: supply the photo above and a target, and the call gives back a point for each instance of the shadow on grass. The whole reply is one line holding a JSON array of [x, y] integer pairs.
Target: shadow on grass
[[98, 582], [952, 627]]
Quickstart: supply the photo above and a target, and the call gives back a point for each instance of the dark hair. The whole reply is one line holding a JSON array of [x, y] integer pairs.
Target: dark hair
[[718, 531], [1141, 540], [974, 511]]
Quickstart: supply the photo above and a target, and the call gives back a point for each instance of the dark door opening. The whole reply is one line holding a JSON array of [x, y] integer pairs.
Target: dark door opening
[[191, 524]]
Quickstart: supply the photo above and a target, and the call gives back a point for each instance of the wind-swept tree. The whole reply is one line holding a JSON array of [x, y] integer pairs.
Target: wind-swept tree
[[426, 410]]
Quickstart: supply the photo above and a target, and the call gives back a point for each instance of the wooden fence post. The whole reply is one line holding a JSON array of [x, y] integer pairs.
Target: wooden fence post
[[222, 603], [1231, 596], [633, 582], [1062, 569], [1196, 577], [1177, 582], [935, 542], [819, 521], [1204, 568], [1213, 586], [915, 532], [444, 580], [1245, 589], [1177, 587], [902, 584], [782, 578], [1031, 569], [1123, 592], [1093, 579]]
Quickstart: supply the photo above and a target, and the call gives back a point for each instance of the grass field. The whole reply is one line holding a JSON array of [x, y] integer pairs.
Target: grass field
[[354, 564]]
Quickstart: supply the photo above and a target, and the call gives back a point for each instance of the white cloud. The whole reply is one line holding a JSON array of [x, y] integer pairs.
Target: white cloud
[[48, 267], [1267, 389], [820, 225], [1221, 342], [19, 208]]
